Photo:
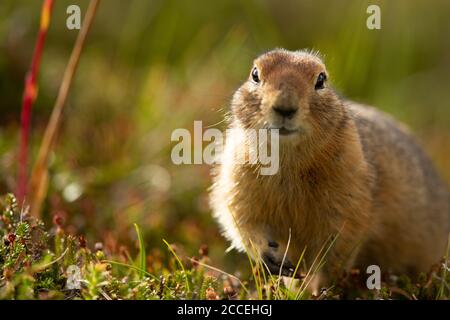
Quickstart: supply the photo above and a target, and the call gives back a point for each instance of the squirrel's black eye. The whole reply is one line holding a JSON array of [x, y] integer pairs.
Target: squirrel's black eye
[[320, 81], [255, 75]]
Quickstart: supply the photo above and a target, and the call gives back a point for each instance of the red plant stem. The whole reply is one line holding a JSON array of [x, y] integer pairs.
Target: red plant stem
[[29, 96]]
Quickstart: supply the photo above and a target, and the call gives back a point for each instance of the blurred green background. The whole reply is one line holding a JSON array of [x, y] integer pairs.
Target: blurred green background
[[152, 66]]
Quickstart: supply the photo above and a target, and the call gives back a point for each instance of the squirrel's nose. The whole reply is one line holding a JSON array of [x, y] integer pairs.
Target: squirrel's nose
[[285, 112]]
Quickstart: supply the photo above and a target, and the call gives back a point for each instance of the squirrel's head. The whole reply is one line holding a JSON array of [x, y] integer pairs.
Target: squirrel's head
[[289, 91]]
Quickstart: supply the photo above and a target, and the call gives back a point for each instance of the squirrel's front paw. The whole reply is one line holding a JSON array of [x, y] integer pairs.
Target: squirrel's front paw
[[273, 256]]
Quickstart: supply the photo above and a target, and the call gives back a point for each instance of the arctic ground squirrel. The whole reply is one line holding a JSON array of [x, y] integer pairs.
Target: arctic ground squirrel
[[351, 179]]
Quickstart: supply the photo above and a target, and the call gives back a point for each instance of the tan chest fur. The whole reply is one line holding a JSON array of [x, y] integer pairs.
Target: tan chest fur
[[311, 203]]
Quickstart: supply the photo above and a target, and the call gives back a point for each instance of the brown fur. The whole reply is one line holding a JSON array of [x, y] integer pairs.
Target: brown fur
[[350, 171]]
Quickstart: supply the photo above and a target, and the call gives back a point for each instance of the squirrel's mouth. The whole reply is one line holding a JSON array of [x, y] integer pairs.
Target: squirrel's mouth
[[283, 131], [287, 132]]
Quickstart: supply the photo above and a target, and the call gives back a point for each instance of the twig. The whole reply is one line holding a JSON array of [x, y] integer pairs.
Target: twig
[[220, 271], [29, 97], [39, 176]]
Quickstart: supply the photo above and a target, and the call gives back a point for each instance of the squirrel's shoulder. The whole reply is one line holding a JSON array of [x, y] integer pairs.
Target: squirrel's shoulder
[[378, 128], [386, 140], [368, 118]]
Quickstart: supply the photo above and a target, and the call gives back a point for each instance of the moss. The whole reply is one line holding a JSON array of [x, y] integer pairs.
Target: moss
[[35, 265]]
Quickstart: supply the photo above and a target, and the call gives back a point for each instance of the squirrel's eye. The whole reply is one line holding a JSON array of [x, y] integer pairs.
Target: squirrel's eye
[[255, 75], [320, 81]]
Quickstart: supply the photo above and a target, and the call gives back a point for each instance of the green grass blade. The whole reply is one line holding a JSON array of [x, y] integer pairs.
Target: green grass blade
[[131, 267], [440, 294], [180, 263], [142, 255]]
